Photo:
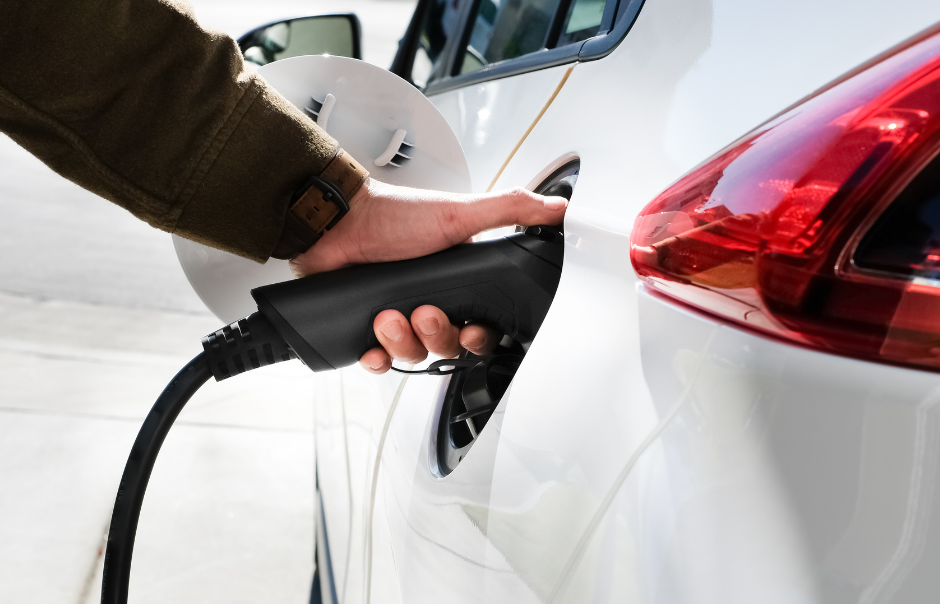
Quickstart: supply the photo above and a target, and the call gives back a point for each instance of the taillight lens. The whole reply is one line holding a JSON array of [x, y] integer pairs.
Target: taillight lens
[[823, 225]]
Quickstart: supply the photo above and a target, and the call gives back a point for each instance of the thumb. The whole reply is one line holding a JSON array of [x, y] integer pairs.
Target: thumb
[[513, 206]]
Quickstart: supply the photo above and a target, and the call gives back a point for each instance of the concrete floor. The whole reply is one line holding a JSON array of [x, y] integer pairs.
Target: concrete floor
[[95, 318]]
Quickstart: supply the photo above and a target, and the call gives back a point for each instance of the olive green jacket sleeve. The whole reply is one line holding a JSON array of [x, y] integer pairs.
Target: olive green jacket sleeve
[[134, 101]]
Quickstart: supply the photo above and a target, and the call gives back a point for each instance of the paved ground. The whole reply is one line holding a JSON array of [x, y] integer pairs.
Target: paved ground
[[230, 507], [95, 317]]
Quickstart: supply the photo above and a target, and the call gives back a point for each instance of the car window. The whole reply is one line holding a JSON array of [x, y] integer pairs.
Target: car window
[[439, 23], [506, 29], [454, 43], [319, 35], [583, 21]]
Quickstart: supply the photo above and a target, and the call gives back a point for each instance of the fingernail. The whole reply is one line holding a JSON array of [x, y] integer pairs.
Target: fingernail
[[474, 344], [392, 330], [376, 367], [429, 327], [554, 204]]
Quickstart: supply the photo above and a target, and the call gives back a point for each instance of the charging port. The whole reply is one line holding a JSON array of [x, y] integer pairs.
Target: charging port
[[472, 395]]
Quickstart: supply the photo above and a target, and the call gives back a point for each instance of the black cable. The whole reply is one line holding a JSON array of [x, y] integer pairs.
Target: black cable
[[130, 496], [244, 345], [437, 367]]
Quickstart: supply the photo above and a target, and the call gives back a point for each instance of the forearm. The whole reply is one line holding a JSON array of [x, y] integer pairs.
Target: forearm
[[132, 100]]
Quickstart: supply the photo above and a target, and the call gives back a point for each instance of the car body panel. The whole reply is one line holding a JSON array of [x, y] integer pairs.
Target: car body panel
[[349, 428], [491, 118], [784, 471], [690, 78], [646, 453], [482, 531]]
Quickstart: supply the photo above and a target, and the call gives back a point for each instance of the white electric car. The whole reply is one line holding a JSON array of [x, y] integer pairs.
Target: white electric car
[[741, 406]]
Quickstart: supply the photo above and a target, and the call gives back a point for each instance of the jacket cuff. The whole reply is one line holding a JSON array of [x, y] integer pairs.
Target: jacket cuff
[[256, 162]]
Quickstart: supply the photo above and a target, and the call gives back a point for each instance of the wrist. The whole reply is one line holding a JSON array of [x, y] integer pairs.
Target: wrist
[[363, 193]]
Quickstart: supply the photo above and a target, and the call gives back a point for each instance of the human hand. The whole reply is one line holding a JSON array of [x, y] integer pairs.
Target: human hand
[[386, 223]]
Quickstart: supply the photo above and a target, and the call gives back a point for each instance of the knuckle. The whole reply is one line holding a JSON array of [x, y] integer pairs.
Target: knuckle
[[520, 194]]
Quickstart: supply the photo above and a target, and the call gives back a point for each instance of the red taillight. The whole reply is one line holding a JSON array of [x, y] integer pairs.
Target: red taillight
[[778, 232]]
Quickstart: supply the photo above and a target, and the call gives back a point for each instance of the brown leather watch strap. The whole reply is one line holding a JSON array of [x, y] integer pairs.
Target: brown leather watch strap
[[321, 202], [345, 173]]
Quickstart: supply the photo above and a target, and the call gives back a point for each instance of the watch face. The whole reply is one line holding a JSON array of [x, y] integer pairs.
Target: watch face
[[384, 122]]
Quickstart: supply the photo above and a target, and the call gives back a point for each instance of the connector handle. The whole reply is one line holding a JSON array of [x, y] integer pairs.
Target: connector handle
[[508, 283]]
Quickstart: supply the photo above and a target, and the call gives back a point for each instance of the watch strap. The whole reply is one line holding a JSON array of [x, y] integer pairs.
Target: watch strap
[[319, 204]]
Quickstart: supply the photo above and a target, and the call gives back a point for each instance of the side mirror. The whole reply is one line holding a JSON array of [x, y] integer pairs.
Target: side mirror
[[337, 35]]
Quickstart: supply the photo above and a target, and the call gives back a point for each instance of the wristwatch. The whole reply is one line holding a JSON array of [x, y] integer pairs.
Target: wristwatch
[[319, 204]]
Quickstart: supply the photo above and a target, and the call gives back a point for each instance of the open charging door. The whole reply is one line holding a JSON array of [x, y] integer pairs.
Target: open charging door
[[384, 122]]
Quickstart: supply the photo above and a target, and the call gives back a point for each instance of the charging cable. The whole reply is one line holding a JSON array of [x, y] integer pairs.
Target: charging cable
[[247, 344]]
